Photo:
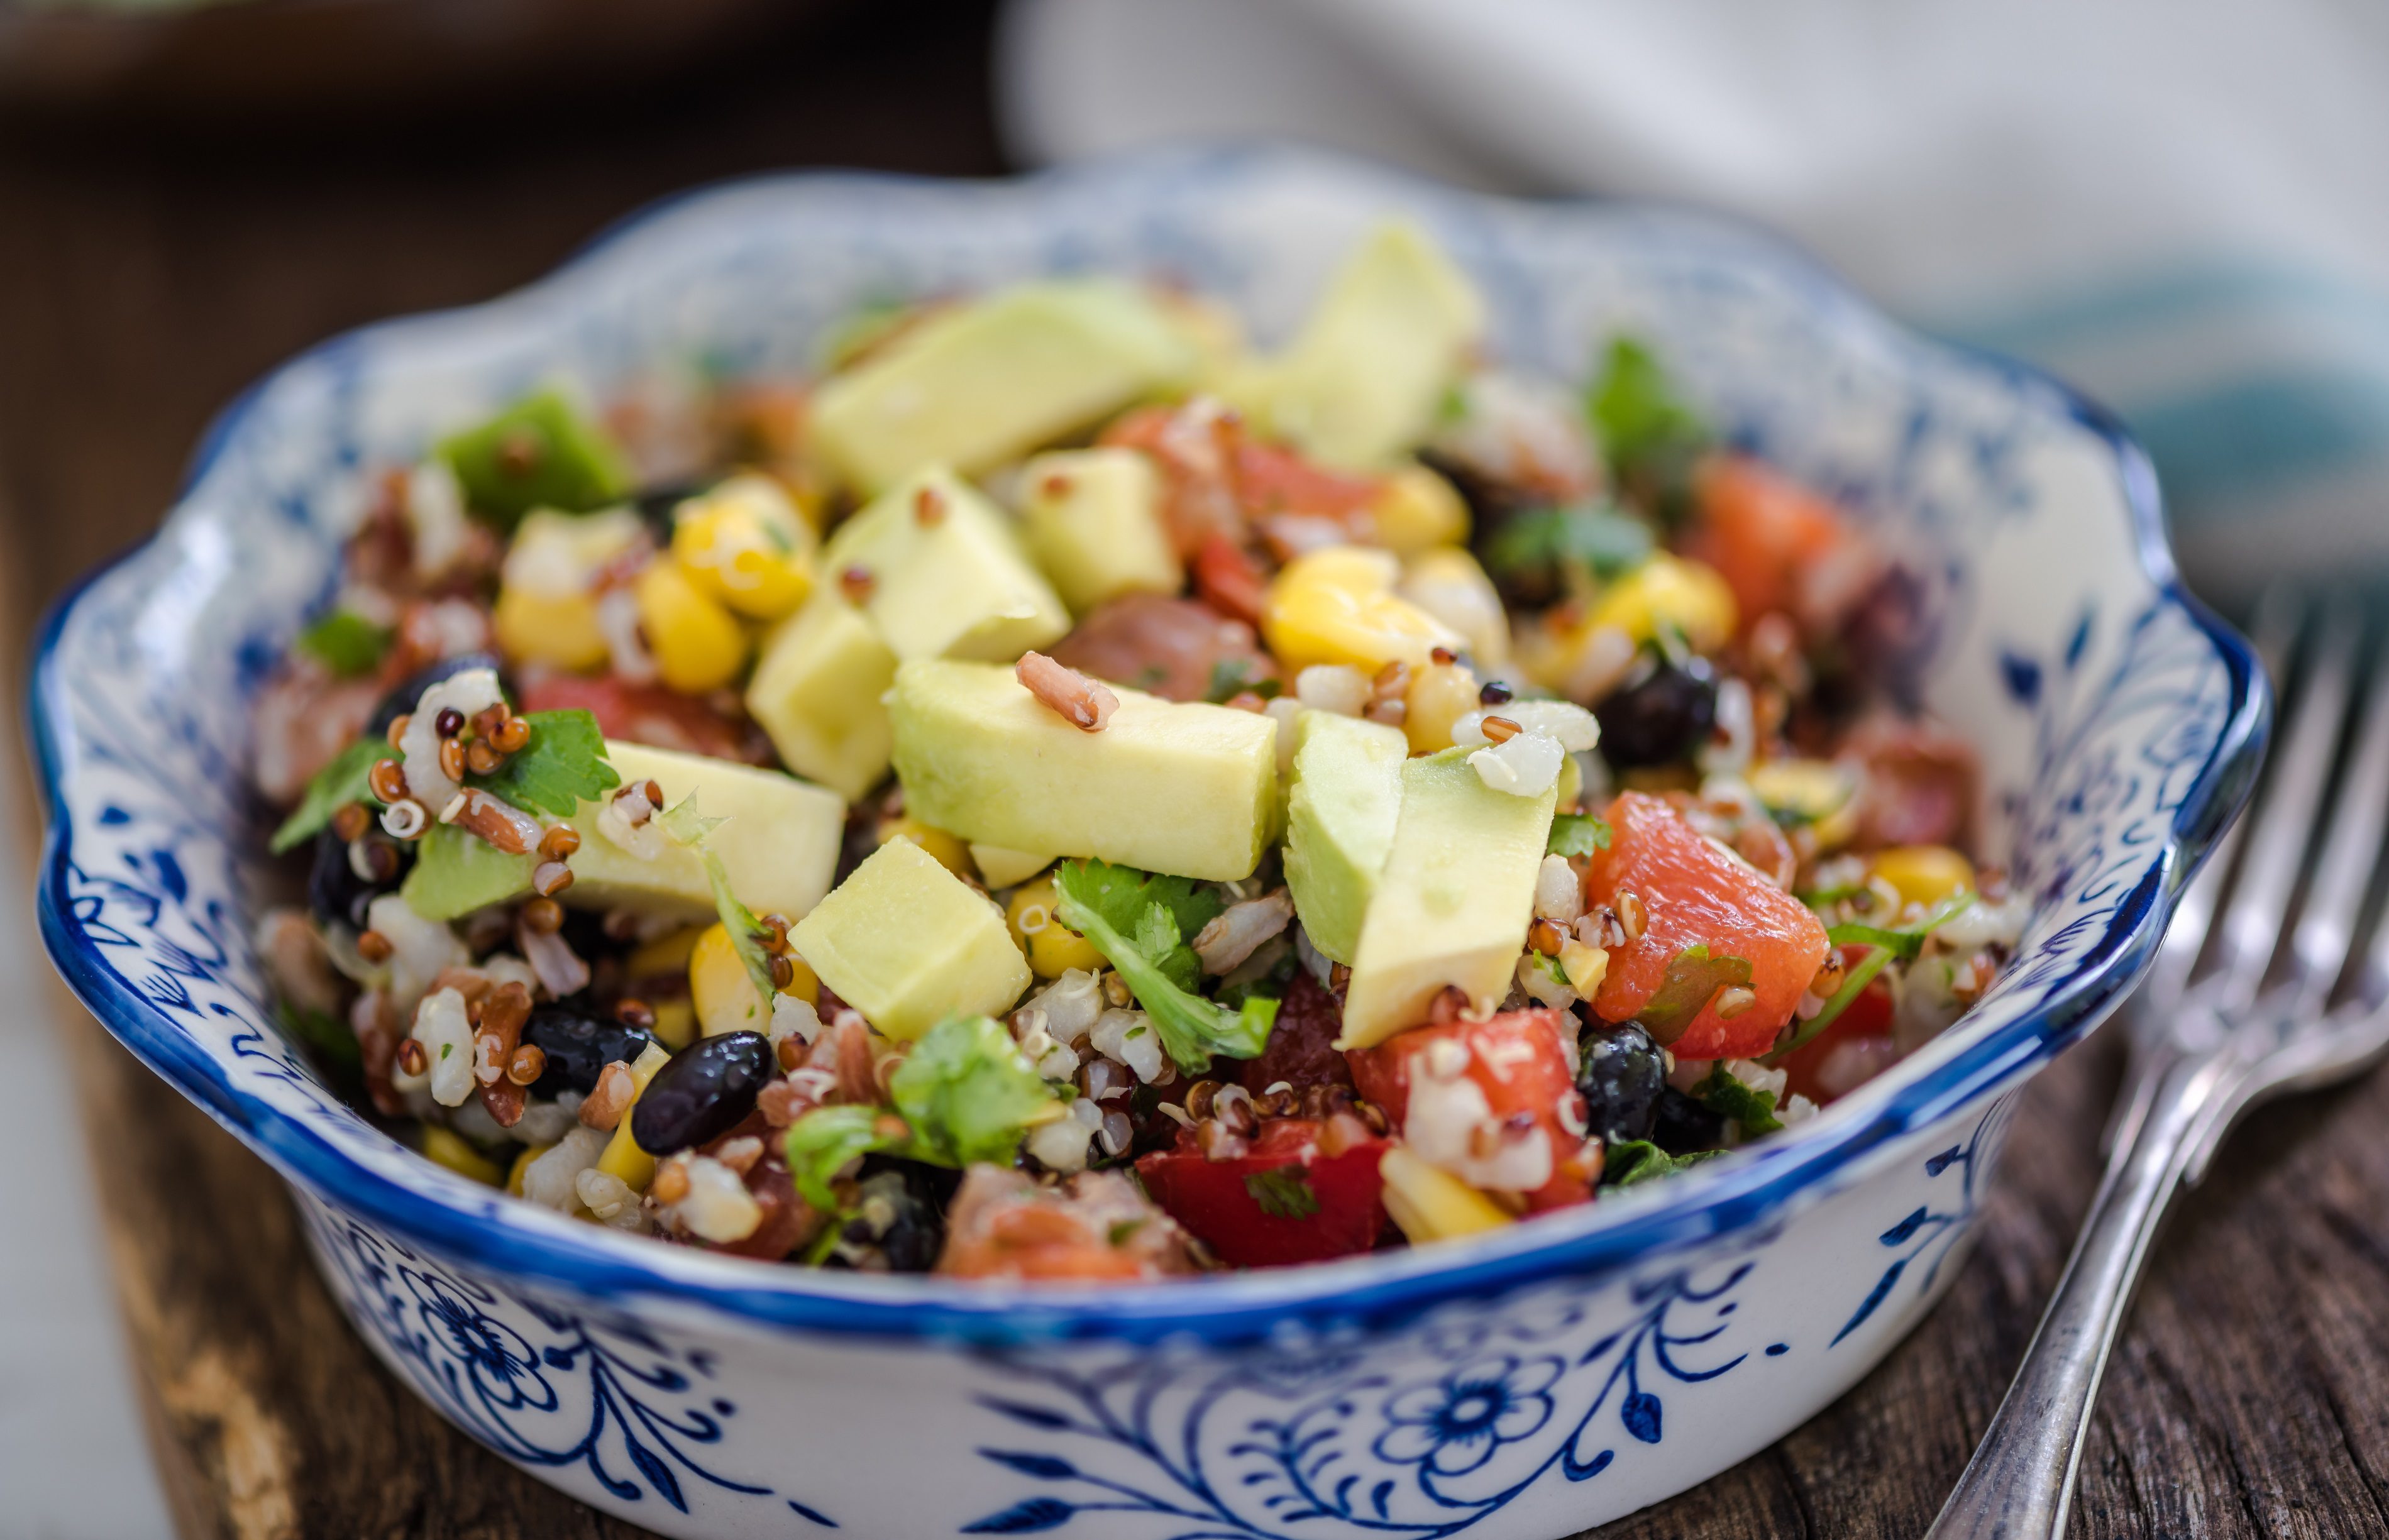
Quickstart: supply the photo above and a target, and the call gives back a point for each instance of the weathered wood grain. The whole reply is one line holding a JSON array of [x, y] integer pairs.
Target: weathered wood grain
[[143, 280]]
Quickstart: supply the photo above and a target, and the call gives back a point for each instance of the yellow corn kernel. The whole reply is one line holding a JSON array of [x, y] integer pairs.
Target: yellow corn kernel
[[624, 1157], [1054, 948], [665, 955], [545, 611], [1567, 653], [556, 629], [746, 544], [529, 1153], [675, 1021], [1431, 1204], [1448, 583], [1338, 606], [444, 1147], [1417, 509], [719, 988], [1819, 792], [947, 851], [1440, 694], [1925, 873], [698, 645], [1585, 966], [1671, 592]]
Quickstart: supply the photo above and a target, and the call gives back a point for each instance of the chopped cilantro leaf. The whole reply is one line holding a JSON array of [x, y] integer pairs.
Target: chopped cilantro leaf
[[1632, 1160], [1650, 437], [1578, 835], [1728, 1097], [335, 786], [1886, 946], [1139, 922], [687, 826], [329, 1036], [346, 642], [1232, 676], [1906, 943], [1536, 554], [563, 765], [1693, 979], [822, 1141], [1283, 1191], [969, 1093]]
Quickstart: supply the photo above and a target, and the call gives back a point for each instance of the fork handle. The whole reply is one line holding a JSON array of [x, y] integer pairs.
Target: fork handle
[[2021, 1481]]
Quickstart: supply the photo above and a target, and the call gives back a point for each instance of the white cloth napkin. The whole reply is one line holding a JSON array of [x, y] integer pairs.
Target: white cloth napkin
[[2182, 206]]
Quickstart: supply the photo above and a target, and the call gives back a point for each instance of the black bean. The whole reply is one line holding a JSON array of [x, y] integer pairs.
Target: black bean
[[660, 505], [703, 1092], [899, 1217], [403, 697], [1624, 1073], [578, 1047], [1684, 1125], [1661, 715], [335, 891]]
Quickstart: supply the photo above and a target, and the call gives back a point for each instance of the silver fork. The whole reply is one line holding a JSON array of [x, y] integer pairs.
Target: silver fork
[[2210, 1038]]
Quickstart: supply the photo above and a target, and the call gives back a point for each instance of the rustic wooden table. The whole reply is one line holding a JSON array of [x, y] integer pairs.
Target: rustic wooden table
[[145, 276]]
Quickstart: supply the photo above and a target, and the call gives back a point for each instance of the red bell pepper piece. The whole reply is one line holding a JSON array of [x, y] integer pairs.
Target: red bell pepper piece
[[1283, 1203]]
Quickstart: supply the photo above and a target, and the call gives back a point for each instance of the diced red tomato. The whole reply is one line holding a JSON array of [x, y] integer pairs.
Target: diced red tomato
[[1520, 1060], [1758, 528], [1301, 1050], [1228, 579], [1693, 893], [1273, 479], [1249, 1208], [646, 714], [1868, 1017]]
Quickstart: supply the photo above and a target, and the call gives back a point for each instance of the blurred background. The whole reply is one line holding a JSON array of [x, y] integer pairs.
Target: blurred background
[[2179, 205]]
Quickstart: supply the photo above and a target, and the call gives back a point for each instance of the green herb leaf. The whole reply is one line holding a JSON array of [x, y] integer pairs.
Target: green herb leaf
[[1854, 984], [1728, 1097], [1536, 552], [1578, 835], [346, 642], [329, 1036], [1904, 942], [687, 826], [1110, 904], [1650, 437], [1283, 1191], [822, 1141], [335, 786], [563, 765], [1693, 979], [1232, 676], [540, 452], [1629, 1162], [969, 1093]]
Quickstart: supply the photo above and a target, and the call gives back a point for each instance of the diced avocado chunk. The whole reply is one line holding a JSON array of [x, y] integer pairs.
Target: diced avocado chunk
[[1169, 786], [909, 944], [1001, 867], [1339, 818], [1363, 380], [989, 381], [780, 852], [1454, 901], [1093, 519], [540, 452], [942, 575], [456, 873], [816, 692]]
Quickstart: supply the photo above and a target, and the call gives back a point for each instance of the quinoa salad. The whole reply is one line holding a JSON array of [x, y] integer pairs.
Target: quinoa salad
[[1062, 793]]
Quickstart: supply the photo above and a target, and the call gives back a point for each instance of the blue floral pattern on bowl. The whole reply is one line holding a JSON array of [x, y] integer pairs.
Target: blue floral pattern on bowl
[[1523, 1386]]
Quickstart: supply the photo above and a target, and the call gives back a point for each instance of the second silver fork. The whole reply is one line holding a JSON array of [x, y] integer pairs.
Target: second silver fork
[[2208, 1042]]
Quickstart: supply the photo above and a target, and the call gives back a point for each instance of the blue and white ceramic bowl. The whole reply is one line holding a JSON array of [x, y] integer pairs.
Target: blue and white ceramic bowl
[[1525, 1386]]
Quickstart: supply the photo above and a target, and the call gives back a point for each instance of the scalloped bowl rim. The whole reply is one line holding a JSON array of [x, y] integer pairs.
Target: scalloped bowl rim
[[1744, 1191]]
